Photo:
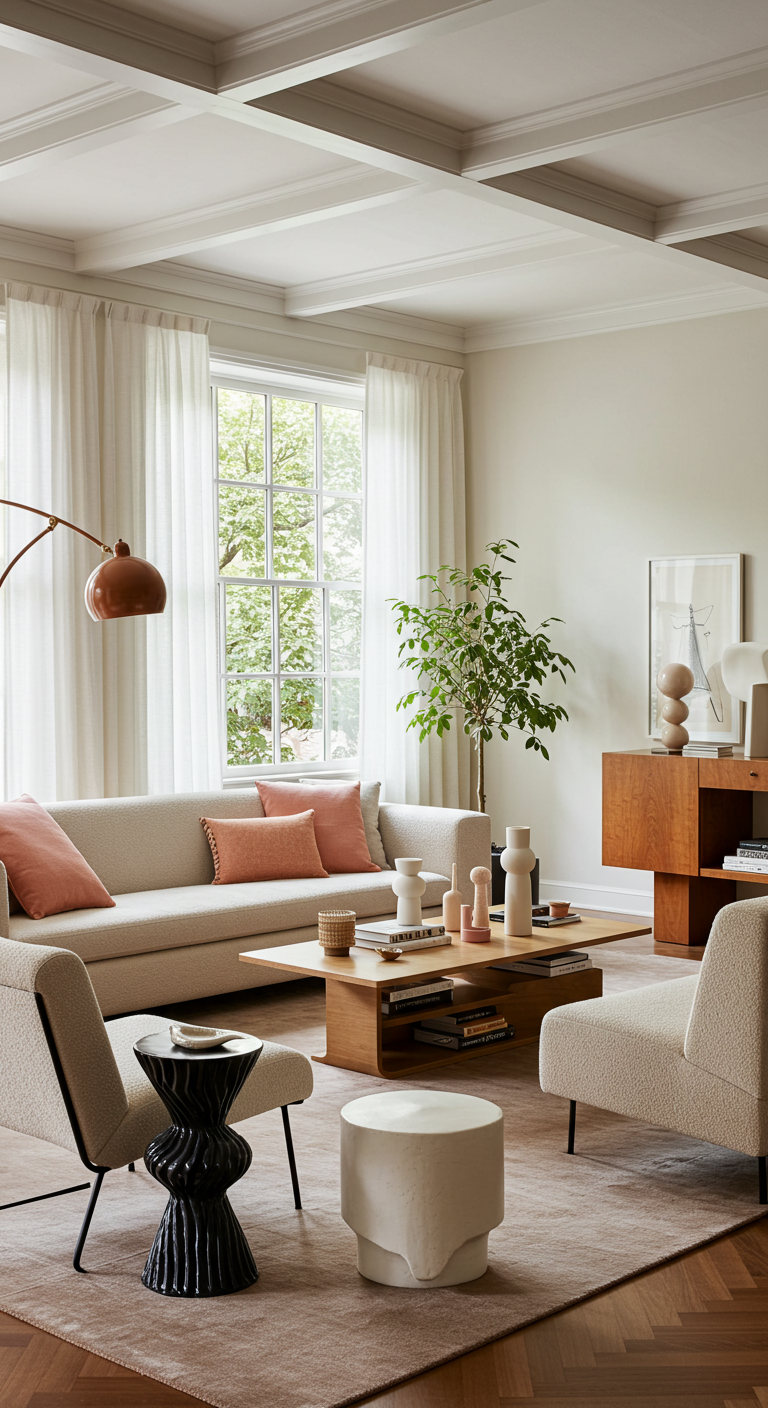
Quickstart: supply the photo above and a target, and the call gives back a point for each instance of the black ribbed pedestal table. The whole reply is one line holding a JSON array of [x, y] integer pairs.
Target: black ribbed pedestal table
[[200, 1248]]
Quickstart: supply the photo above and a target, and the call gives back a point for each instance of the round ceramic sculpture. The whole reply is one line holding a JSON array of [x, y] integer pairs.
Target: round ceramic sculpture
[[422, 1184], [469, 933], [518, 861], [336, 931], [674, 681], [409, 887]]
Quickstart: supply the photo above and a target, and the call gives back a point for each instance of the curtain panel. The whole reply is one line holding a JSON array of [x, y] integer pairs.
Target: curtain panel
[[415, 523], [108, 425]]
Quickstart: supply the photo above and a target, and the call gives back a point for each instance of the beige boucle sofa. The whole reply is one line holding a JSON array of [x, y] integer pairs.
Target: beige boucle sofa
[[174, 936]]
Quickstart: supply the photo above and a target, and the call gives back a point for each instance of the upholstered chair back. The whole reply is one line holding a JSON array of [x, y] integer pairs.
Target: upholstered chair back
[[31, 1100], [728, 1027]]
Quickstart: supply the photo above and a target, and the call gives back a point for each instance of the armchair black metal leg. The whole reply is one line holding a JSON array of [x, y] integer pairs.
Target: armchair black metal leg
[[131, 1168], [762, 1181], [291, 1158], [571, 1126], [99, 1179], [41, 1197]]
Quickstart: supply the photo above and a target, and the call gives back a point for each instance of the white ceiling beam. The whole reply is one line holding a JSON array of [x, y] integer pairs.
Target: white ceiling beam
[[332, 37], [405, 279], [736, 84], [747, 257], [80, 124], [301, 203], [712, 215]]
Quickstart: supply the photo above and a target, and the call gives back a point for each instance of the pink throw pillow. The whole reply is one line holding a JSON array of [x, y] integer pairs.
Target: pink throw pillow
[[338, 820], [261, 848], [47, 872]]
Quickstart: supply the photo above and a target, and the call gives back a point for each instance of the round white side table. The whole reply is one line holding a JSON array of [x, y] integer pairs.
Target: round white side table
[[422, 1185]]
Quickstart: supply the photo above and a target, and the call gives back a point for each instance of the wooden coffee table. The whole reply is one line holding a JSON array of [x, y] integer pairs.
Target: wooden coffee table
[[359, 1038]]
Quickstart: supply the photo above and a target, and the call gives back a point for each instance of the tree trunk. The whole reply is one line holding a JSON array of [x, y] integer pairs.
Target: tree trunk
[[480, 773]]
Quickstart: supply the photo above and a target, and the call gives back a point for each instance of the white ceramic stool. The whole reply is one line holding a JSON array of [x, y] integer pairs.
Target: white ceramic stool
[[422, 1185]]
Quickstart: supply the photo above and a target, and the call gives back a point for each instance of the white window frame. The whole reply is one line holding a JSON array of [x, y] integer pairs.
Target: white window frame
[[349, 394]]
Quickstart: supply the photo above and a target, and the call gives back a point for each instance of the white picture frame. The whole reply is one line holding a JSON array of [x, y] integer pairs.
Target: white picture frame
[[695, 611]]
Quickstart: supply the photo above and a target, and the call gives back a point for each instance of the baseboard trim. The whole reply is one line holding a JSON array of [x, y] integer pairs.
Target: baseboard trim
[[611, 898]]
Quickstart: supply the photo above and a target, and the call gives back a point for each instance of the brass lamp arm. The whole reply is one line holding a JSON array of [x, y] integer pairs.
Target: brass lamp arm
[[53, 522]]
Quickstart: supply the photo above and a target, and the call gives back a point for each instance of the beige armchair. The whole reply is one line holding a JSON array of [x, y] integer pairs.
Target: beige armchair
[[69, 1078], [690, 1055]]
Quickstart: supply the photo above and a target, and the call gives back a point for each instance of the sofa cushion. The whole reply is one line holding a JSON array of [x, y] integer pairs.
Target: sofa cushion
[[150, 920], [263, 848], [45, 870], [338, 820]]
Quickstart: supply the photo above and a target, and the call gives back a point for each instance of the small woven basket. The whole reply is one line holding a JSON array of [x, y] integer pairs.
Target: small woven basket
[[336, 931]]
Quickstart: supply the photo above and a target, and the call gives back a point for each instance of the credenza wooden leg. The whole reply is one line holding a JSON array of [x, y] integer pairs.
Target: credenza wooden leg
[[684, 907]]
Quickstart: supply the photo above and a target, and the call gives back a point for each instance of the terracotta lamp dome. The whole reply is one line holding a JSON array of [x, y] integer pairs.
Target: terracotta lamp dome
[[124, 586]]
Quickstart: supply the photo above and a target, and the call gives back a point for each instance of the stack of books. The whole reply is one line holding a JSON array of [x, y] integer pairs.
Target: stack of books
[[482, 1026], [750, 855], [708, 750], [387, 933], [433, 992], [551, 965], [551, 921], [538, 911]]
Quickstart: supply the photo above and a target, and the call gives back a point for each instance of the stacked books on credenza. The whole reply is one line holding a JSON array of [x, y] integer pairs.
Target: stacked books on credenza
[[708, 750], [387, 933], [463, 1031], [550, 965], [432, 992], [750, 855]]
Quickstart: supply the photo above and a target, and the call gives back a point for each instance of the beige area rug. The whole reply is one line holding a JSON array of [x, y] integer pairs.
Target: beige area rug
[[312, 1333]]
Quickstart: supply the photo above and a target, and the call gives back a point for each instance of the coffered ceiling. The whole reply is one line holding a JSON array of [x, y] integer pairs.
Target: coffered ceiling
[[505, 169]]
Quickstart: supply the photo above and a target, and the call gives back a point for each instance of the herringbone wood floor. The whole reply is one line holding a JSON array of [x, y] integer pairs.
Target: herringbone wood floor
[[691, 1334]]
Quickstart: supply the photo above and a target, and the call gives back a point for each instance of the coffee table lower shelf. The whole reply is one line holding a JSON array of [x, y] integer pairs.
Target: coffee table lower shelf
[[359, 1038]]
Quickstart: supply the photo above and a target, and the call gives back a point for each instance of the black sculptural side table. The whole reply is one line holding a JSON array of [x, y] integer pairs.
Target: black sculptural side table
[[200, 1248]]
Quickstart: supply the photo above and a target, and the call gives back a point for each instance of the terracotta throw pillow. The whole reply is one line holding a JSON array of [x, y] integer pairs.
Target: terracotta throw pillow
[[262, 848], [338, 820], [47, 872]]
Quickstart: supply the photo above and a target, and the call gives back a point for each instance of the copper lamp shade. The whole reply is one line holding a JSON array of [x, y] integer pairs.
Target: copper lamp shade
[[124, 586]]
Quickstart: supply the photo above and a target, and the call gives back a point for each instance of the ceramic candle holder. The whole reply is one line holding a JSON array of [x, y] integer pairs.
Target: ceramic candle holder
[[469, 934]]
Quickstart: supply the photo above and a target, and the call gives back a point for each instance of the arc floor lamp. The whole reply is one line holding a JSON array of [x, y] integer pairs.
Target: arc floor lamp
[[120, 586]]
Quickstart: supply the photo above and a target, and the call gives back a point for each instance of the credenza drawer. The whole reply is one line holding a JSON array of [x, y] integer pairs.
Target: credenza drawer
[[736, 774]]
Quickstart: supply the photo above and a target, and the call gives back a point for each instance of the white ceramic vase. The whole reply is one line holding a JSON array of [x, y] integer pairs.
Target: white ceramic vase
[[518, 861], [409, 887]]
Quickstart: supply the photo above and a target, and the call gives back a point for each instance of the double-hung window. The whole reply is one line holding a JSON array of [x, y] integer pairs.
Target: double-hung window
[[289, 489]]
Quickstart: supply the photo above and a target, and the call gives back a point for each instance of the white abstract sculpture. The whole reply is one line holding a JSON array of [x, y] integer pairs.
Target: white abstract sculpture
[[745, 676], [518, 861], [409, 887], [422, 1184], [481, 879]]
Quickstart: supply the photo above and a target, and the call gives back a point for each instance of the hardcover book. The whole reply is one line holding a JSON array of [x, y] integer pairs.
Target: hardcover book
[[393, 932], [462, 1043]]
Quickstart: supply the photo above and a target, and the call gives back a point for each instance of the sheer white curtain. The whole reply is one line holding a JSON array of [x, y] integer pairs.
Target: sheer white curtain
[[108, 426], [415, 523], [52, 657], [159, 418]]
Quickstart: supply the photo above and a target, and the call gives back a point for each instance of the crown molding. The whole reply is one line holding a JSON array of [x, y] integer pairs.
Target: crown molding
[[613, 317], [716, 214]]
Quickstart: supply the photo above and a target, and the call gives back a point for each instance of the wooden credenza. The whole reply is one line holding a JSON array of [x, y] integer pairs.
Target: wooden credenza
[[678, 817]]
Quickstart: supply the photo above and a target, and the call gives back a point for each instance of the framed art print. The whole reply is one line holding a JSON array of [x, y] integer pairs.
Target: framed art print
[[695, 612]]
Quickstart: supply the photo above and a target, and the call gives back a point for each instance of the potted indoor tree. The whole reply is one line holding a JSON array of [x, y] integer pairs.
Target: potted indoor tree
[[475, 659]]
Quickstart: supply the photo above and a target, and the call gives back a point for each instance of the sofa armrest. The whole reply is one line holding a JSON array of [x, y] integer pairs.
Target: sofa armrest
[[5, 922], [442, 836]]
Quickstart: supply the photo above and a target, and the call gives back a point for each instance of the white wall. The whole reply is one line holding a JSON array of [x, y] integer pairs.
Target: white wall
[[595, 454]]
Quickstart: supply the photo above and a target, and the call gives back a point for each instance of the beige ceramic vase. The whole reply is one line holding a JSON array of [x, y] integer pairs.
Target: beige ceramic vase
[[518, 861]]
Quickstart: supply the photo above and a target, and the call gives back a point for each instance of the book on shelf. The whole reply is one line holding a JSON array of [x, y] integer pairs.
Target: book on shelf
[[457, 1027], [754, 863], [462, 1043], [417, 989], [452, 1020], [556, 971], [545, 960], [407, 945], [549, 921], [708, 750], [416, 1004], [390, 931]]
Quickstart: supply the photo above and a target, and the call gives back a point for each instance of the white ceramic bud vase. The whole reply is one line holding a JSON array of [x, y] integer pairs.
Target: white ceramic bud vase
[[409, 887], [518, 861]]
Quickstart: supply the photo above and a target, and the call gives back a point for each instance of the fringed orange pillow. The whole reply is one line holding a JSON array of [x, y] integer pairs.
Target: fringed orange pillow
[[263, 848]]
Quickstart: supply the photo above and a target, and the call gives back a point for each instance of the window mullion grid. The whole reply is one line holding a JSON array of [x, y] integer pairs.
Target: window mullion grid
[[325, 692], [269, 565]]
